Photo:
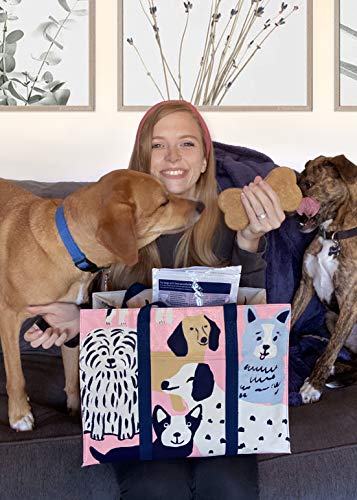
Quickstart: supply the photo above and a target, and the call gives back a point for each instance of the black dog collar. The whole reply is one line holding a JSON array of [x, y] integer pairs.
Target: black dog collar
[[337, 235]]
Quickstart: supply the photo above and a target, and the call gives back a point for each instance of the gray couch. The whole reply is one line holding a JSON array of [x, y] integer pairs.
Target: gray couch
[[46, 463]]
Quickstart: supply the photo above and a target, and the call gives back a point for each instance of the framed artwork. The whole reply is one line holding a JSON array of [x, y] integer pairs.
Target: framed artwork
[[47, 55], [345, 55], [219, 55]]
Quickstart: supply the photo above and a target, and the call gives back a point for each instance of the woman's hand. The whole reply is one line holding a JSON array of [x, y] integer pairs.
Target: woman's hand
[[64, 321], [264, 212]]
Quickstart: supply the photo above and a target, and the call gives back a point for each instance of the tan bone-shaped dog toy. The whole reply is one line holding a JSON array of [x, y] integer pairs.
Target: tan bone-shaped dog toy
[[281, 179]]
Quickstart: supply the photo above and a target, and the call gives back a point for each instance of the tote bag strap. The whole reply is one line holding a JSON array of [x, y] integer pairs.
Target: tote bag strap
[[232, 374], [144, 380]]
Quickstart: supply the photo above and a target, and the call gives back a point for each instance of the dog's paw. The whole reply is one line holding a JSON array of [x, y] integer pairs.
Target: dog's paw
[[73, 404], [308, 393], [26, 423]]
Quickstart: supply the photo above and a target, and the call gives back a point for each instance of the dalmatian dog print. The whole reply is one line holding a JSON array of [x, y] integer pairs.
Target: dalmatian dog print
[[109, 383], [259, 425]]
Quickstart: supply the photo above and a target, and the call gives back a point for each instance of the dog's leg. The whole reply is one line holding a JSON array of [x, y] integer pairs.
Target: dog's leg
[[331, 320], [302, 297], [19, 410], [312, 388], [70, 358]]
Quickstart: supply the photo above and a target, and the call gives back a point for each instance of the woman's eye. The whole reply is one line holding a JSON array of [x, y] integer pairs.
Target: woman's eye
[[156, 145], [188, 144], [165, 203]]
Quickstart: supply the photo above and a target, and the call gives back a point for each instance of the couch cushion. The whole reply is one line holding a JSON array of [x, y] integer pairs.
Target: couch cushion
[[323, 462], [50, 189], [323, 438], [46, 462]]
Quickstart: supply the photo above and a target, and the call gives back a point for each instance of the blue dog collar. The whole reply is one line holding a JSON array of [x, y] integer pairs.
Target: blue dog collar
[[78, 257]]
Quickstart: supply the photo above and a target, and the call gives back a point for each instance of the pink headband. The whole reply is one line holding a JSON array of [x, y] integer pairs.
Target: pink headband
[[207, 136]]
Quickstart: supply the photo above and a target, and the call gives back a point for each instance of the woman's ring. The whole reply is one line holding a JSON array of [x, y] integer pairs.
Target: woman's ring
[[262, 216]]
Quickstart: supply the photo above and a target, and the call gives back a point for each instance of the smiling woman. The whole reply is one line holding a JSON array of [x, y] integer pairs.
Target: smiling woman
[[173, 144]]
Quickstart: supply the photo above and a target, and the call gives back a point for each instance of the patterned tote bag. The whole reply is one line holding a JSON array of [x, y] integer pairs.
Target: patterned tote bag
[[162, 383]]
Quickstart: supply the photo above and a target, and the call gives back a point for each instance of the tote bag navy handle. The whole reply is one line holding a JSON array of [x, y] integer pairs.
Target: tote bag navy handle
[[144, 380]]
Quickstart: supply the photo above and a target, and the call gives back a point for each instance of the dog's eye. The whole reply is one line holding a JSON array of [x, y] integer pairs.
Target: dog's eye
[[275, 338], [259, 338], [308, 184], [188, 424], [166, 424]]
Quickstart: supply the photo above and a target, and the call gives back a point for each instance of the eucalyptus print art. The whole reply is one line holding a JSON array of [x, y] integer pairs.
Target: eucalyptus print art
[[46, 49]]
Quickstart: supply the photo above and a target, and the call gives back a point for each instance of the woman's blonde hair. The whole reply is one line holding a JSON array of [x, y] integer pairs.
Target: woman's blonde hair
[[195, 245]]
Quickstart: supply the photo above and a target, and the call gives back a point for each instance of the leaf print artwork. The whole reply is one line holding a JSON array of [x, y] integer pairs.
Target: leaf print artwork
[[44, 53]]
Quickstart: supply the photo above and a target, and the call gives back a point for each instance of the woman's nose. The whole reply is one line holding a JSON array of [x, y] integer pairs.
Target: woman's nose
[[173, 154]]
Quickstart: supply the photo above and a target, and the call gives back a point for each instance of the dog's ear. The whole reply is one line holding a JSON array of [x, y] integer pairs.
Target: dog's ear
[[250, 314], [214, 335], [159, 414], [283, 316], [196, 412], [116, 232], [177, 341], [203, 382], [346, 169]]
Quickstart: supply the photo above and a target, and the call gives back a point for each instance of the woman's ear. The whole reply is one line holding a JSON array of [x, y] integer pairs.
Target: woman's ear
[[204, 166]]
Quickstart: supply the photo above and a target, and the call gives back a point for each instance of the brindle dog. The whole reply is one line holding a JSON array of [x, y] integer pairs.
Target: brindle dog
[[330, 262]]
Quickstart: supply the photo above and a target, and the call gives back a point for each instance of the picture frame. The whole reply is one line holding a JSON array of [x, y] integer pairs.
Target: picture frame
[[345, 56], [296, 79], [49, 59]]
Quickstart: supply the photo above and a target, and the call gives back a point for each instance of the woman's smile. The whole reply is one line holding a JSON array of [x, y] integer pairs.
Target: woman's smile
[[174, 173]]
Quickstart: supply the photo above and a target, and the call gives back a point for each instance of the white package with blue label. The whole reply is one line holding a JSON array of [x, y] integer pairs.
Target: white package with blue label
[[196, 286]]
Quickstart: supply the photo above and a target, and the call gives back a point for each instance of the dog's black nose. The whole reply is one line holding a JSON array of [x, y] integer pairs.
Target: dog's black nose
[[200, 206], [164, 385], [204, 340], [266, 347], [111, 361], [177, 434]]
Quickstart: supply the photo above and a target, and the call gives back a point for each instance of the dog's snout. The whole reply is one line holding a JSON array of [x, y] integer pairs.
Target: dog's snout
[[111, 361], [266, 347], [164, 385], [200, 207], [177, 434]]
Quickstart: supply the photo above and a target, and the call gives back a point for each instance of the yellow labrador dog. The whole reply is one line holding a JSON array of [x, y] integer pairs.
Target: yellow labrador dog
[[109, 221]]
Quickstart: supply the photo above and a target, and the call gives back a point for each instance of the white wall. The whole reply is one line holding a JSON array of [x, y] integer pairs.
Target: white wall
[[82, 146]]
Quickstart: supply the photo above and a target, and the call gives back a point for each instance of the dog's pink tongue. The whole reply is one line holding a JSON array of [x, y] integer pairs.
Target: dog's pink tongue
[[308, 206]]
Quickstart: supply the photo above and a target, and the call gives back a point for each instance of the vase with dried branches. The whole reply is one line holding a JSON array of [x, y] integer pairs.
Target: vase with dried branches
[[231, 41]]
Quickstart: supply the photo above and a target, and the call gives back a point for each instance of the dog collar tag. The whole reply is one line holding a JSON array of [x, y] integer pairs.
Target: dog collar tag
[[335, 249]]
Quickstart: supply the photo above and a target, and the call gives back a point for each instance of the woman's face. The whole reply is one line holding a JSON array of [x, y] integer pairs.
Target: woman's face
[[177, 157]]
